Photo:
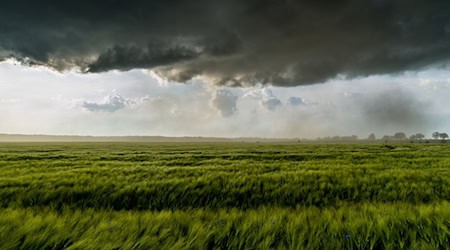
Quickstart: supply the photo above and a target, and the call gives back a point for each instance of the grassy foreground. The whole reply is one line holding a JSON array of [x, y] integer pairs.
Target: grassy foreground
[[224, 195]]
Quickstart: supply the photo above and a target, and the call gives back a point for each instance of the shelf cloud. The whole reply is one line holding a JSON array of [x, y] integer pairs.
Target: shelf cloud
[[232, 42]]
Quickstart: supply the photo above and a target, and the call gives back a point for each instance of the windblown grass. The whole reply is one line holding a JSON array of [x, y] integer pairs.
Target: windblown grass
[[224, 195]]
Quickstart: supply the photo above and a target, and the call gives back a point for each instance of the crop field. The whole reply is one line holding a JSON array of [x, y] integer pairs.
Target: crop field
[[224, 196]]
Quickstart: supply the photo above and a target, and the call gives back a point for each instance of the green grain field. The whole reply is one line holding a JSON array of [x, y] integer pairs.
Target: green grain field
[[224, 196]]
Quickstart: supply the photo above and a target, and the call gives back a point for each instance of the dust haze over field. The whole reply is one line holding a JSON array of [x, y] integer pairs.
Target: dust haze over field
[[383, 64]]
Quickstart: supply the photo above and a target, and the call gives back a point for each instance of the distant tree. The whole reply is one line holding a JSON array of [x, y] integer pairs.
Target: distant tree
[[371, 137], [443, 136], [418, 136], [386, 137], [400, 136], [435, 135]]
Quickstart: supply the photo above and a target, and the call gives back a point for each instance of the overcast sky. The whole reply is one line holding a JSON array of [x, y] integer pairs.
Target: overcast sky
[[225, 68]]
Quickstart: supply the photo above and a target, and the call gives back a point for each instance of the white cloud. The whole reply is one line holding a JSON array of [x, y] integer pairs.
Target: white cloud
[[298, 101], [265, 97], [9, 100], [111, 103], [224, 102]]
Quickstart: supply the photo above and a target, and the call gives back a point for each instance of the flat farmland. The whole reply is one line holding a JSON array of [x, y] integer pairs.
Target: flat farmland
[[224, 196]]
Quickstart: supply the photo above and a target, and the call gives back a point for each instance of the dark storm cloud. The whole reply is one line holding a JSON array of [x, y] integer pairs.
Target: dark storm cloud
[[127, 58], [233, 42]]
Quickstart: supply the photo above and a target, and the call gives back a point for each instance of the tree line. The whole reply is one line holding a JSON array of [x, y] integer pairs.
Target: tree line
[[402, 136]]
